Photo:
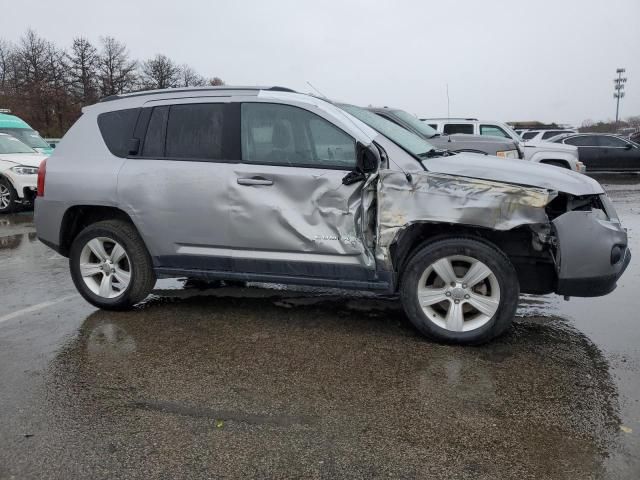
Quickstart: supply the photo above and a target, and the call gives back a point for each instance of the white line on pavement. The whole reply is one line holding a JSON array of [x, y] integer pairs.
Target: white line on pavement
[[34, 308]]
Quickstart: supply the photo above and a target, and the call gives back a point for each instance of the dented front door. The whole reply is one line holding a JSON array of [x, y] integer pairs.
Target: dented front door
[[289, 211]]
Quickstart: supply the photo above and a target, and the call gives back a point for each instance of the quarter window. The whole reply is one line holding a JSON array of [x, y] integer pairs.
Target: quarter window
[[116, 129], [451, 128], [285, 135]]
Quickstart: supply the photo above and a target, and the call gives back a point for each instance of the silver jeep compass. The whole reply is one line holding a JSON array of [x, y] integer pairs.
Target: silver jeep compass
[[265, 184]]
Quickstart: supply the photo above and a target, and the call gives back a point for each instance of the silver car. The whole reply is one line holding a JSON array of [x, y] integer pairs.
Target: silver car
[[265, 184]]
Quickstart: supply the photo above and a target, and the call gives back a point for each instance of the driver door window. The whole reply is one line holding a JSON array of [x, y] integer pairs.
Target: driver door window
[[274, 134]]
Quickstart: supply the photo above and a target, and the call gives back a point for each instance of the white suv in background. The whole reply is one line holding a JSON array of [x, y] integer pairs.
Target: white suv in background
[[535, 136], [540, 152]]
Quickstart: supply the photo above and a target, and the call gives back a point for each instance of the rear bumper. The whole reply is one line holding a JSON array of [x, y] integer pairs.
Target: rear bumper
[[593, 286], [48, 217]]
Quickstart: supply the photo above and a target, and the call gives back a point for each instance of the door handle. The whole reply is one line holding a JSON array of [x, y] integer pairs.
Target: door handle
[[255, 181]]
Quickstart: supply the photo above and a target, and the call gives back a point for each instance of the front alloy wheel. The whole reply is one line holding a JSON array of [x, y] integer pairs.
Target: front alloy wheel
[[460, 290], [459, 293], [8, 197]]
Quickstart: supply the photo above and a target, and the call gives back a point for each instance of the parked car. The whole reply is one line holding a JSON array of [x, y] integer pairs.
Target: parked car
[[604, 152], [20, 129], [53, 142], [548, 153], [265, 184], [18, 173], [537, 135], [500, 147]]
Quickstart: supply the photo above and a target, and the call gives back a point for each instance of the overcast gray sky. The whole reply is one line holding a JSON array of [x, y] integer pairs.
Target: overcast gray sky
[[503, 59]]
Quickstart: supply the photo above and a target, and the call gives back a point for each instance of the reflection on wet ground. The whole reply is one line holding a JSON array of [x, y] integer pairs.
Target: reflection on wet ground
[[323, 390], [215, 380]]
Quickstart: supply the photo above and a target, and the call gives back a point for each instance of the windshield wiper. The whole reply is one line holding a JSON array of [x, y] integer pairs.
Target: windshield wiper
[[436, 153]]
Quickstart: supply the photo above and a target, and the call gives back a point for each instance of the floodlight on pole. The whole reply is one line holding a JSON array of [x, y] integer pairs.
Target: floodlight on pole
[[618, 89]]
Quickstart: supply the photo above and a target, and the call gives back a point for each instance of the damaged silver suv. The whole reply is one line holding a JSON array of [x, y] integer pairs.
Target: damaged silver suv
[[268, 185]]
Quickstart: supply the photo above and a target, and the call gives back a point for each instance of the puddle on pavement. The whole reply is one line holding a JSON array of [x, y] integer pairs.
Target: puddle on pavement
[[311, 380]]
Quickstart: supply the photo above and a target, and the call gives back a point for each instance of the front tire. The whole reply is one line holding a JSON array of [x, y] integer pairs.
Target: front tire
[[8, 197], [460, 290], [110, 265]]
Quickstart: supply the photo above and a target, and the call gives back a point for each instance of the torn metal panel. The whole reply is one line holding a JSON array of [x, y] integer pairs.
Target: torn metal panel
[[434, 197]]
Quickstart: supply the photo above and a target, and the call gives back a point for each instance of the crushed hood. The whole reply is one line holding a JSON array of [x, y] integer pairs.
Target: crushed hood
[[26, 159], [518, 172]]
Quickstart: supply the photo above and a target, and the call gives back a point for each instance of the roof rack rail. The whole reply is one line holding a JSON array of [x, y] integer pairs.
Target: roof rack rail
[[5, 110], [191, 89]]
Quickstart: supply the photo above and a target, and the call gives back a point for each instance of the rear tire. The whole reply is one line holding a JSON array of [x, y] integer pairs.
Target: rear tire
[[8, 197], [460, 290], [110, 265]]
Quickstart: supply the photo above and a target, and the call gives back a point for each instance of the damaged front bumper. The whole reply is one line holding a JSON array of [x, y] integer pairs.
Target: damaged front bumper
[[592, 252]]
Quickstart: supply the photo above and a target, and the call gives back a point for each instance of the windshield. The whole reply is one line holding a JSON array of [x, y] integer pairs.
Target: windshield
[[9, 144], [28, 136], [407, 140], [416, 124]]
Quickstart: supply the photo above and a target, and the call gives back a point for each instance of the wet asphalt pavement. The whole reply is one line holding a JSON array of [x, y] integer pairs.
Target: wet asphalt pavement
[[273, 383]]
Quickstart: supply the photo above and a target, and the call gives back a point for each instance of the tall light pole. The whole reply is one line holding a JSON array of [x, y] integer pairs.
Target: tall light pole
[[618, 89]]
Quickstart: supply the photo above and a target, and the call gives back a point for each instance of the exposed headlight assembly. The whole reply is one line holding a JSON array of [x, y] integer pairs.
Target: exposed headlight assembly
[[22, 170], [508, 154]]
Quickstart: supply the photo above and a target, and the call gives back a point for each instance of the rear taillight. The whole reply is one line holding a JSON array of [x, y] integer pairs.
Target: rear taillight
[[42, 171]]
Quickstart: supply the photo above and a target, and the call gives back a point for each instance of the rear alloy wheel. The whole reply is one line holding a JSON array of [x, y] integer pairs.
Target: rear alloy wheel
[[8, 197], [110, 265], [460, 290], [105, 267]]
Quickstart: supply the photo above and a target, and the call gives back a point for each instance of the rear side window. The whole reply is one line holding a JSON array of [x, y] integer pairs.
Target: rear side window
[[154, 140], [433, 125], [552, 133], [583, 141], [195, 131], [116, 129], [611, 142], [451, 128], [528, 135]]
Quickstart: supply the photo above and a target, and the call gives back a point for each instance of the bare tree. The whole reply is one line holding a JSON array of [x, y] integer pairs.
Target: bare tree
[[83, 70], [117, 72], [188, 77], [47, 86], [160, 72], [5, 52]]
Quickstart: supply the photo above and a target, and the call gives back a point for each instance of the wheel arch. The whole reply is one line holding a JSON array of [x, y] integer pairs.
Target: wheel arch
[[78, 217], [536, 270]]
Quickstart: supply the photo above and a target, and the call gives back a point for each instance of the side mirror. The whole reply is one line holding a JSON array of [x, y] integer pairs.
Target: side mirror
[[628, 146], [368, 159]]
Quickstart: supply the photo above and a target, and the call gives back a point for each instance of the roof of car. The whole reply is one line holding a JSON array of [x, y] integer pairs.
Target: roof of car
[[11, 121], [457, 119]]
